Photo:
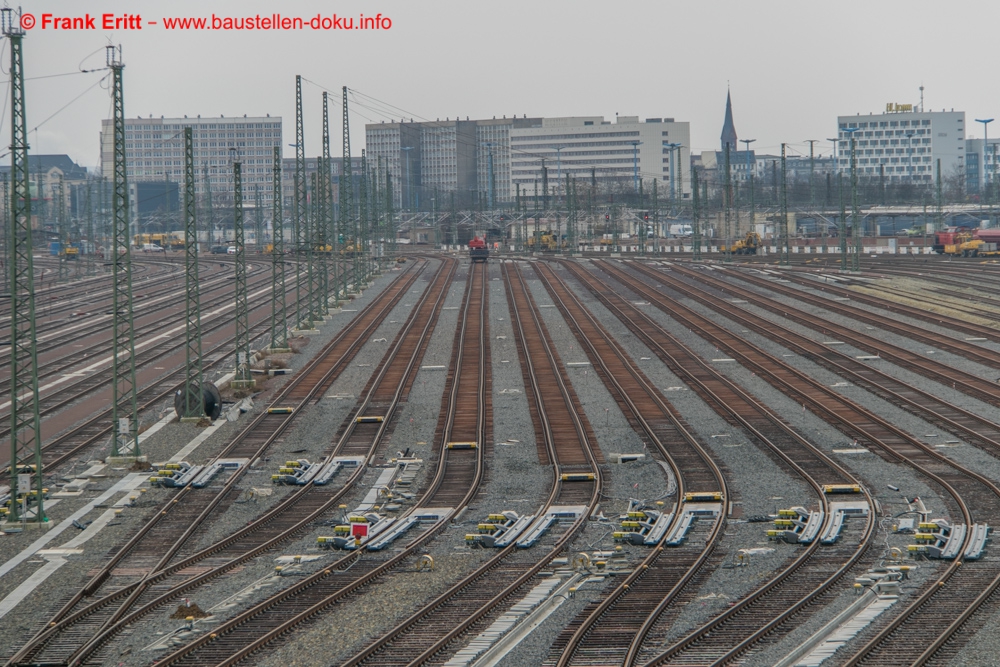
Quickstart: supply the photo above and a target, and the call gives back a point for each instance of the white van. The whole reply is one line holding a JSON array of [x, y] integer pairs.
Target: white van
[[152, 247]]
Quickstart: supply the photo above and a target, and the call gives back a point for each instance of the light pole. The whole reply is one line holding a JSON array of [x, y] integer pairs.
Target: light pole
[[750, 176], [836, 164]]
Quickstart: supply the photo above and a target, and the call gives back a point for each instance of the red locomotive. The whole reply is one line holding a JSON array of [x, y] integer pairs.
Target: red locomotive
[[478, 250]]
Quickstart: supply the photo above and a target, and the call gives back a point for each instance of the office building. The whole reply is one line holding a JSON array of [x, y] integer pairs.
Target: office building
[[616, 154], [445, 158], [902, 145], [154, 150]]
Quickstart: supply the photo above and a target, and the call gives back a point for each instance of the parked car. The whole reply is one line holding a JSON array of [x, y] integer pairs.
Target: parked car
[[152, 247], [231, 250], [219, 250]]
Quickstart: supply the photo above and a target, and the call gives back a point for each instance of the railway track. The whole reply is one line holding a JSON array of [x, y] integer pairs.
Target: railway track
[[296, 513], [603, 634], [956, 346], [95, 428], [445, 624], [967, 383], [149, 352], [55, 343], [966, 493], [59, 295], [796, 586], [963, 423], [149, 552], [262, 624]]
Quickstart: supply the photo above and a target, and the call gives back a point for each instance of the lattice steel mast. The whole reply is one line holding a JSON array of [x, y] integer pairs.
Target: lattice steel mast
[[5, 234], [361, 240], [327, 187], [279, 323], [347, 226], [123, 399], [192, 404], [784, 210], [242, 379], [258, 220], [695, 222], [92, 250], [63, 231], [25, 424], [301, 238], [314, 240]]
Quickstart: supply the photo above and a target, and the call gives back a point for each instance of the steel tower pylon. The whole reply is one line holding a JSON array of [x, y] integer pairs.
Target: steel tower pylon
[[124, 412], [258, 220], [856, 221], [388, 227], [318, 223], [5, 233], [91, 239], [313, 239], [328, 224], [25, 424], [242, 379], [192, 402], [695, 222], [360, 262], [63, 231], [209, 209], [301, 238], [784, 210], [347, 217], [279, 322]]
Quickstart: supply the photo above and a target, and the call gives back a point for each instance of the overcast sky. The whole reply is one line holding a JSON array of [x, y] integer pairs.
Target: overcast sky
[[792, 66]]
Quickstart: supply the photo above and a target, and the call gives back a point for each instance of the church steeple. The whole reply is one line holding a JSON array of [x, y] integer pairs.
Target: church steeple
[[728, 129]]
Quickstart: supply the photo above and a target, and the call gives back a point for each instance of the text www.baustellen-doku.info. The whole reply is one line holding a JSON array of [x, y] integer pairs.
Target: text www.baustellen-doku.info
[[54, 22]]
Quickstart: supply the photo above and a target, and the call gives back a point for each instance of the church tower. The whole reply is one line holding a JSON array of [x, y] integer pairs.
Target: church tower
[[728, 129]]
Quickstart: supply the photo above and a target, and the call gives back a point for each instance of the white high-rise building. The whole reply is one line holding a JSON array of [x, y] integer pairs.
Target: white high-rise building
[[615, 154], [903, 146], [448, 157], [154, 150]]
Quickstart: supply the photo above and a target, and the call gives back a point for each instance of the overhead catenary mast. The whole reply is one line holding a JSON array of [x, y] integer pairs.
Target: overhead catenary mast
[[192, 403], [25, 424], [63, 231], [124, 412], [279, 318], [242, 379], [301, 240], [328, 221], [347, 217]]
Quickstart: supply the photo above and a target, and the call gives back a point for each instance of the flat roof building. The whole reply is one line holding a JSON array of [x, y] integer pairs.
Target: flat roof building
[[154, 150], [615, 154], [903, 145], [445, 156]]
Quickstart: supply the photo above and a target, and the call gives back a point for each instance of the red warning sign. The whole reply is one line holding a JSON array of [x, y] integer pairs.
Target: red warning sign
[[359, 530]]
